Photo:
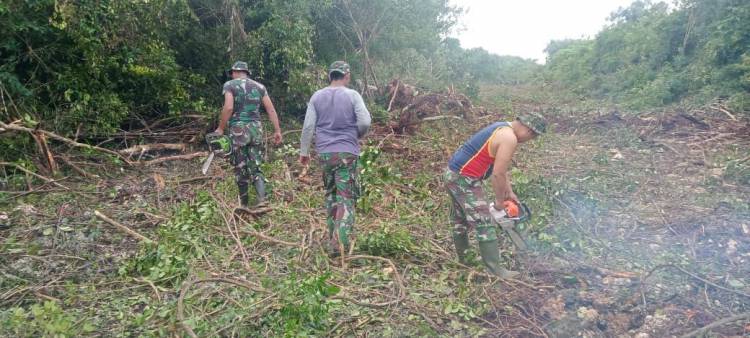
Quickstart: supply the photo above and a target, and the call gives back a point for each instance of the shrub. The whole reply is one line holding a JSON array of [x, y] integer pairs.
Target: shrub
[[387, 241], [181, 240]]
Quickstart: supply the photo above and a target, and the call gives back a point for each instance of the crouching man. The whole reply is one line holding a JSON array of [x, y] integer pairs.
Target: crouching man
[[487, 154]]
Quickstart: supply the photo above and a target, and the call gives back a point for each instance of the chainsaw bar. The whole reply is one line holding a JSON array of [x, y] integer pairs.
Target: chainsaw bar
[[207, 163]]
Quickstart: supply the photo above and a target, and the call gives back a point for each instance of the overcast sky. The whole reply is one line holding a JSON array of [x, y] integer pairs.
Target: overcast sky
[[524, 27]]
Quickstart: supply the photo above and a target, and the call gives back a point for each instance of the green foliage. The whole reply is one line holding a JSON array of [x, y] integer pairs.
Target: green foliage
[[304, 307], [459, 310], [738, 169], [739, 102], [389, 241], [653, 56], [181, 240], [477, 64], [379, 113], [407, 40], [536, 192], [280, 49], [47, 320], [374, 177]]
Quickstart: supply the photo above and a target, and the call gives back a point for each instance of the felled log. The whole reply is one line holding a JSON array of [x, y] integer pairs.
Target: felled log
[[176, 157], [16, 127], [142, 148]]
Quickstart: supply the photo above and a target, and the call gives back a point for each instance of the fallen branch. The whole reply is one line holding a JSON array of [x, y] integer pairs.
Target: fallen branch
[[45, 179], [45, 152], [395, 92], [291, 131], [167, 119], [142, 148], [176, 157], [76, 168], [255, 211], [122, 227], [196, 179], [725, 111], [4, 127], [695, 120], [441, 117], [17, 194], [397, 278], [718, 323], [186, 286], [142, 134], [152, 285], [736, 292], [249, 230]]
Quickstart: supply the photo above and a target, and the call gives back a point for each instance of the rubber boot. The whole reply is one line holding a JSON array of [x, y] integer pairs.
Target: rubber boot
[[260, 190], [491, 258], [461, 242], [243, 189]]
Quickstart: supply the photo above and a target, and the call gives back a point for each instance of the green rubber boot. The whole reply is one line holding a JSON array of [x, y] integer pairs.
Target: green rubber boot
[[244, 197], [461, 242], [491, 258], [260, 190]]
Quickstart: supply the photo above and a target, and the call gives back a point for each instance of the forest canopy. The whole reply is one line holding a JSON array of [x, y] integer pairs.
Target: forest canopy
[[92, 67], [653, 54]]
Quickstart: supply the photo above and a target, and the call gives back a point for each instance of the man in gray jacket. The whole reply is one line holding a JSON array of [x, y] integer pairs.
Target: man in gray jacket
[[337, 118]]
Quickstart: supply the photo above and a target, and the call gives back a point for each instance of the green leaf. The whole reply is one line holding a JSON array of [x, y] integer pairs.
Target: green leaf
[[735, 283]]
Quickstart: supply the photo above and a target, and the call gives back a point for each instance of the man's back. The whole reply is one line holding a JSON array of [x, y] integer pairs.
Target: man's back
[[336, 125], [247, 99]]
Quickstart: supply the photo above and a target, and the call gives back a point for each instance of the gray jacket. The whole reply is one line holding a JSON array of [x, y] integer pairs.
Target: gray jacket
[[338, 118]]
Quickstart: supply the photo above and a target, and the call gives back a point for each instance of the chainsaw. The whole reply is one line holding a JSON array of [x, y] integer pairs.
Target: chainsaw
[[511, 215], [218, 144]]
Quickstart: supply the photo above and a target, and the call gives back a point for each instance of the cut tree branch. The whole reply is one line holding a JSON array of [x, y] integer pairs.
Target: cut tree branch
[[13, 126], [142, 148], [122, 227], [45, 179], [177, 157], [718, 323]]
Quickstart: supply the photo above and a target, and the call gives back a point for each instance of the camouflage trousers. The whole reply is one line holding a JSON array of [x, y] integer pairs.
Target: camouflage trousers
[[247, 143], [469, 208], [340, 182]]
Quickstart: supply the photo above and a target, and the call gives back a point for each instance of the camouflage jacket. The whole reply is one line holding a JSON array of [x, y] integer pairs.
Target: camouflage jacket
[[247, 98]]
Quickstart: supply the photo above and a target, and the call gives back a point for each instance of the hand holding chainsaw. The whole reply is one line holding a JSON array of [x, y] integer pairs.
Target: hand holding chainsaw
[[218, 143], [511, 214], [510, 210]]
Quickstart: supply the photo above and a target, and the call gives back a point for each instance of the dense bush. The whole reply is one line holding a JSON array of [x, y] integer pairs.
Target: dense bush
[[88, 67], [654, 55]]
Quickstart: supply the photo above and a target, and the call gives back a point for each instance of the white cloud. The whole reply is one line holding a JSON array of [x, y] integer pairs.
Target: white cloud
[[524, 27]]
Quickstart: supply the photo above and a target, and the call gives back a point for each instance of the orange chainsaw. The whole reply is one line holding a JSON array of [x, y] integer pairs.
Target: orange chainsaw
[[511, 215]]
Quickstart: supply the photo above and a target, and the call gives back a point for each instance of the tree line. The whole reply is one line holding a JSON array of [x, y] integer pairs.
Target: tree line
[[90, 67], [655, 54]]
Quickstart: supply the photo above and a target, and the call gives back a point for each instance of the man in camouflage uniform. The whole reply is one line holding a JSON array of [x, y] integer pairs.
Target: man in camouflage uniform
[[487, 154], [242, 100], [337, 118]]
